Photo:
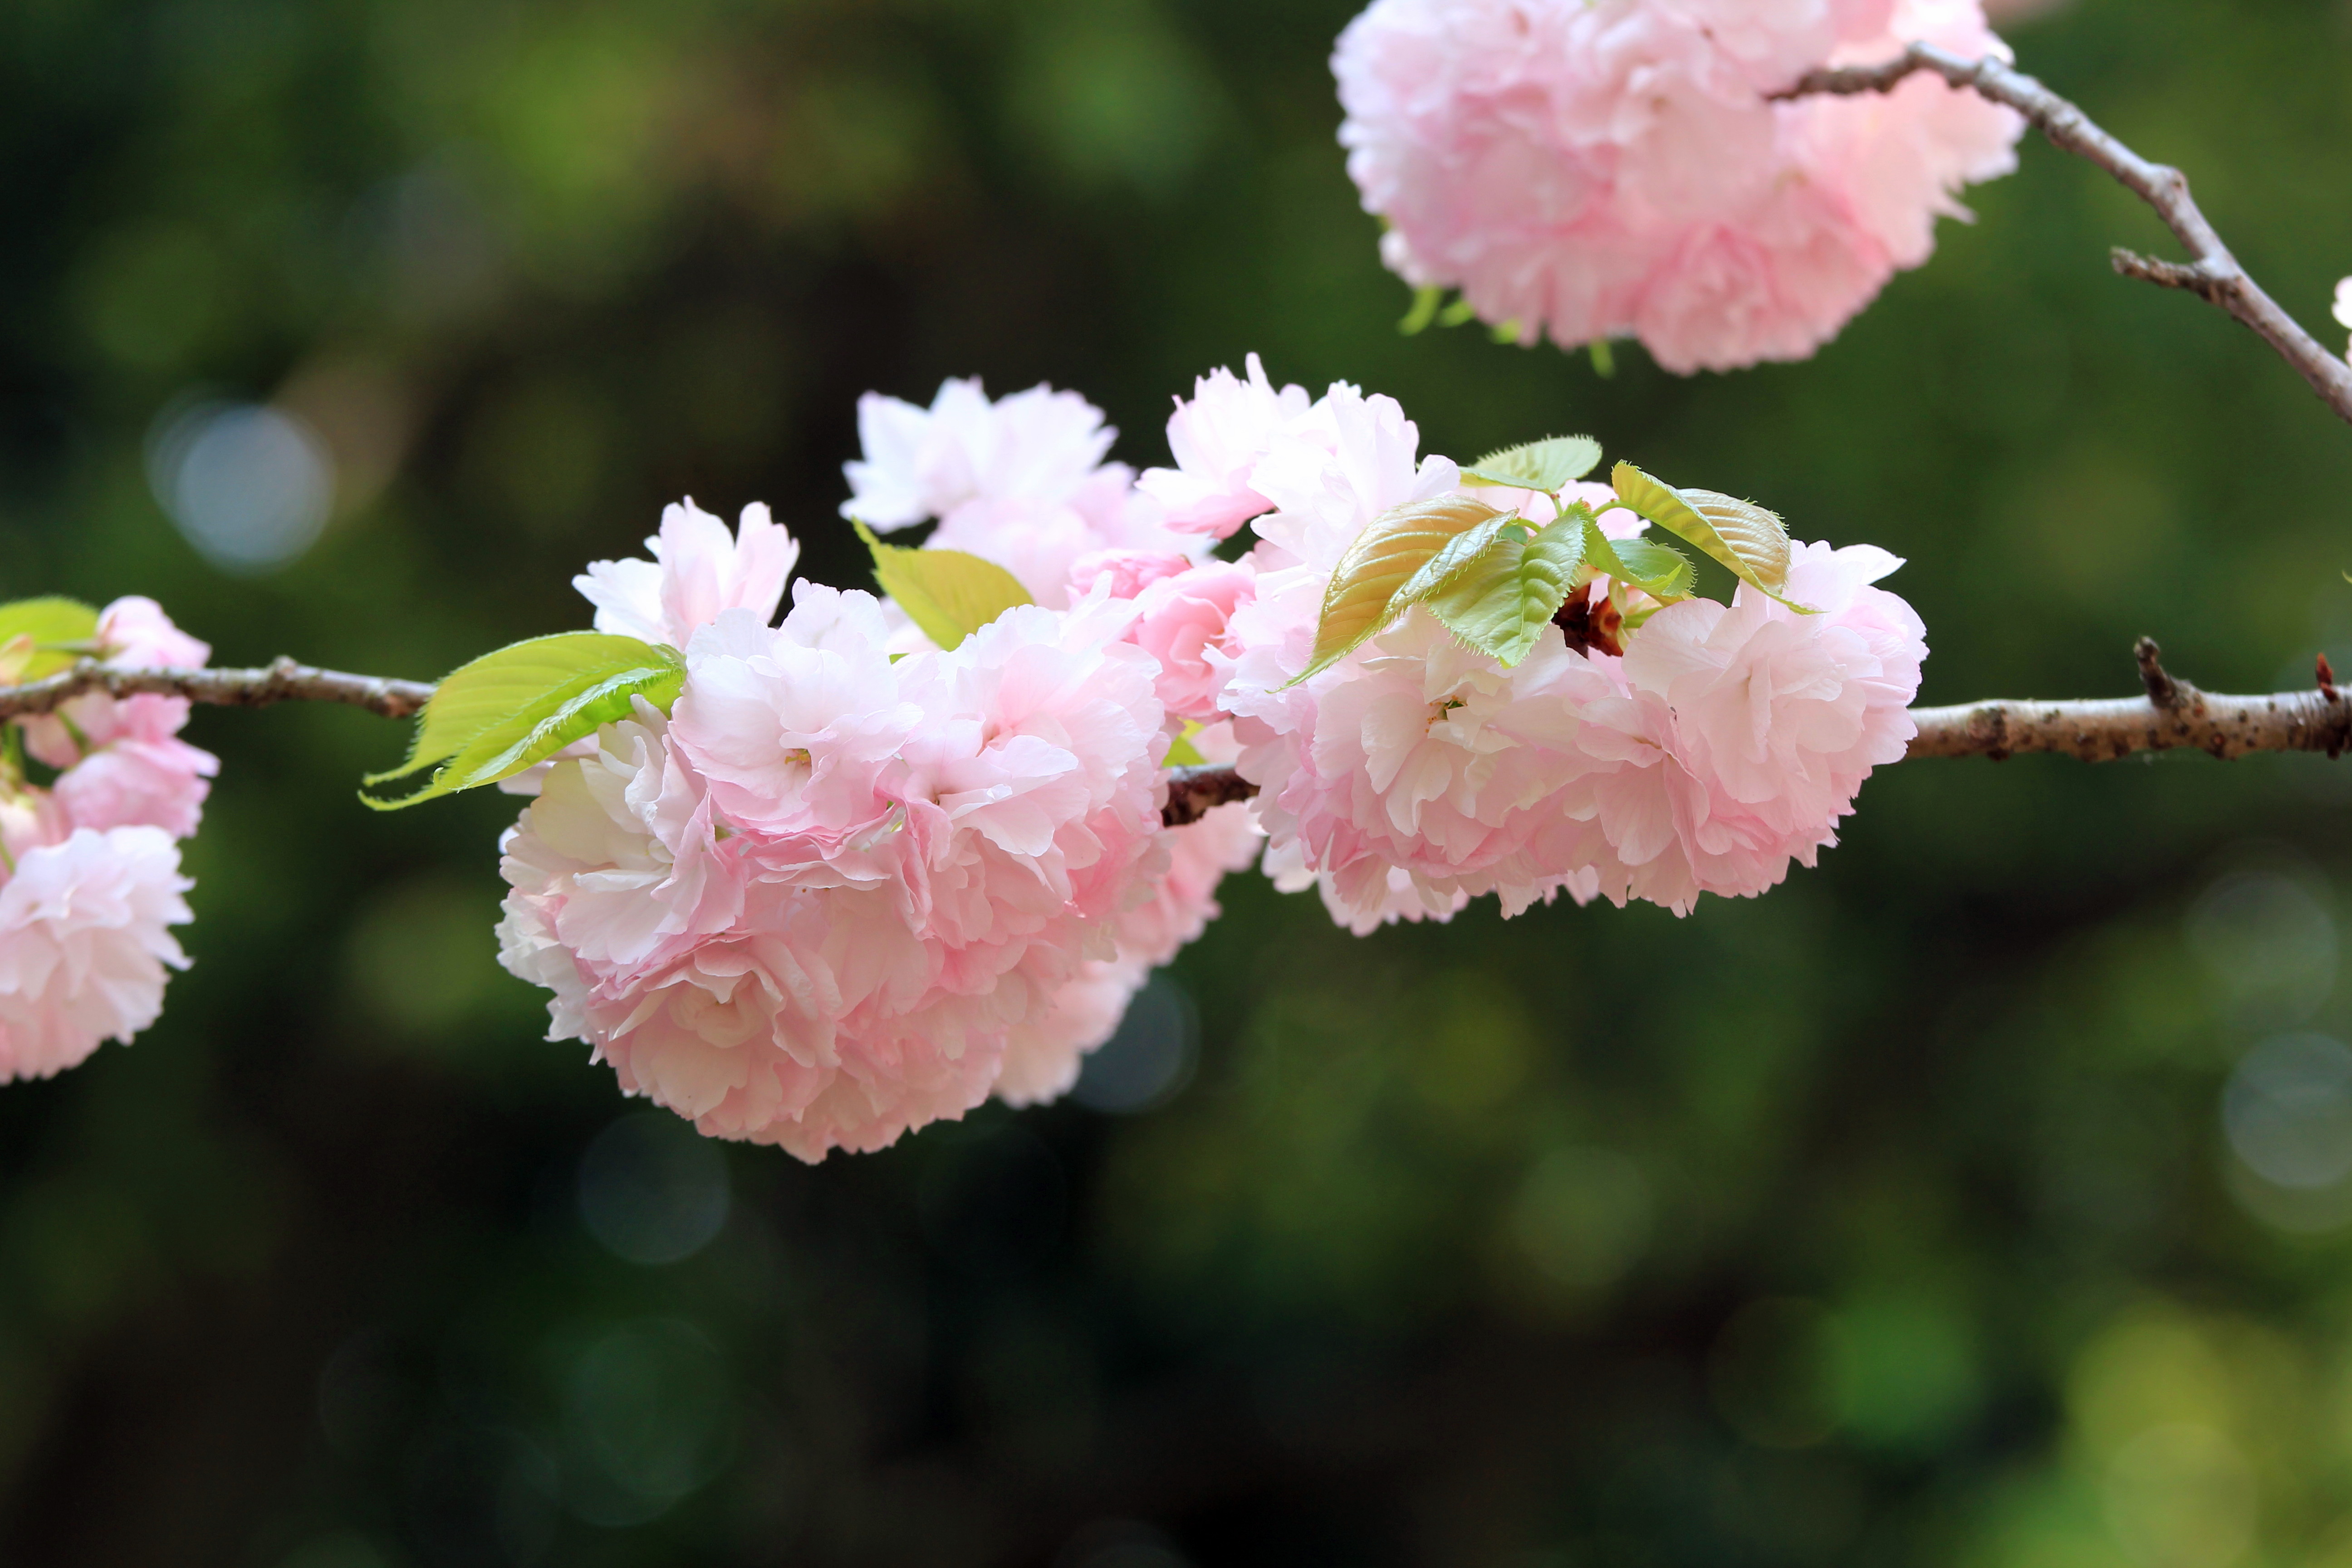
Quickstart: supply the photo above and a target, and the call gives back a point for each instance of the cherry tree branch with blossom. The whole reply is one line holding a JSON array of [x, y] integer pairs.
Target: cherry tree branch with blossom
[[2171, 715], [2212, 273]]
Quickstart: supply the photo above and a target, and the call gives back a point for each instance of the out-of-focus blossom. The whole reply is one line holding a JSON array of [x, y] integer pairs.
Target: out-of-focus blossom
[[1605, 168], [135, 632]]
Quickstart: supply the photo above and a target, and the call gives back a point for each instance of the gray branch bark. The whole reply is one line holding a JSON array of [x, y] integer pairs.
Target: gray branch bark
[[2171, 715], [2212, 273], [282, 680]]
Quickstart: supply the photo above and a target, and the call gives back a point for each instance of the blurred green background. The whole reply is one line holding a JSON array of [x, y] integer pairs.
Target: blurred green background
[[1983, 1198]]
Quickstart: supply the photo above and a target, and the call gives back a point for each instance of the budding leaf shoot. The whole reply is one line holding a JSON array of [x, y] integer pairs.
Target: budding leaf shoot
[[1740, 534], [946, 592], [1502, 604], [506, 710], [1659, 570], [1366, 585]]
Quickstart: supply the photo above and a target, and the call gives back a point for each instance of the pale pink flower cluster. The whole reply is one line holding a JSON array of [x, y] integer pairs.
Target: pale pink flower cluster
[[90, 881], [1605, 168], [853, 883], [1418, 773], [1020, 482], [837, 895]]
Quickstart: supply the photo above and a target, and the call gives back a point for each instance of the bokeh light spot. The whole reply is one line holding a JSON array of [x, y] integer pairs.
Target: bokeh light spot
[[2268, 945], [2287, 1110], [250, 486], [652, 1189], [1151, 1057], [650, 1414]]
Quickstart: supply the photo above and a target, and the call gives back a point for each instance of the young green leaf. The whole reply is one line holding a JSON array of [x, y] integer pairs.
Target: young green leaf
[[1451, 558], [1363, 594], [497, 716], [1658, 570], [1740, 534], [1425, 301], [1545, 464], [1502, 604], [946, 592], [56, 632]]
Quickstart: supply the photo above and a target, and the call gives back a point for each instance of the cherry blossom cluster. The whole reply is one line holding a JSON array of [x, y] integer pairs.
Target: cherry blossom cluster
[[1607, 168], [837, 894], [89, 863], [854, 882]]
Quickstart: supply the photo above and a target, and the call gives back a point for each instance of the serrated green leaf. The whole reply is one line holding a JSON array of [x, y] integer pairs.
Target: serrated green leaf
[[1740, 534], [1659, 570], [1502, 604], [946, 592], [506, 710], [1545, 464], [1453, 558], [1363, 593], [56, 632]]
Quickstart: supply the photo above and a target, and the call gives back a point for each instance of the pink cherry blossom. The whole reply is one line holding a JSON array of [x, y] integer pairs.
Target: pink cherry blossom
[[1124, 574], [121, 763], [137, 772], [1020, 482], [1602, 168], [85, 944], [697, 571], [1216, 437], [1180, 622], [135, 632], [1728, 741], [814, 907]]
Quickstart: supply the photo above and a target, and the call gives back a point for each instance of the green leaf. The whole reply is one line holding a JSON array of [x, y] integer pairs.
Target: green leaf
[[1182, 753], [1453, 557], [1502, 604], [947, 593], [1659, 570], [1545, 464], [56, 632], [1740, 534], [1362, 597], [1424, 311], [1605, 358], [508, 709], [1456, 313]]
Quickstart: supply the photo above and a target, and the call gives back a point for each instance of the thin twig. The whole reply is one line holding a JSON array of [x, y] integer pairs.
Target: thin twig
[[2212, 273], [283, 681]]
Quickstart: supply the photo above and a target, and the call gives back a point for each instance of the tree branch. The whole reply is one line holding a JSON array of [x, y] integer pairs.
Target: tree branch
[[283, 681], [2172, 716], [2212, 273]]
